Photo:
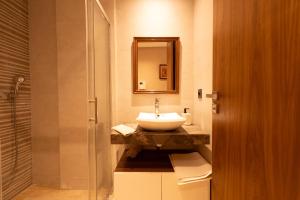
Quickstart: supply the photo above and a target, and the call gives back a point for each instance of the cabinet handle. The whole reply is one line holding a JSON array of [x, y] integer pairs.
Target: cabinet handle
[[95, 118]]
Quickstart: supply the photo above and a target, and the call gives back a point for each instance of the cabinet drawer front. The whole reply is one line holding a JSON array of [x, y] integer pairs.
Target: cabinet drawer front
[[192, 191], [137, 186]]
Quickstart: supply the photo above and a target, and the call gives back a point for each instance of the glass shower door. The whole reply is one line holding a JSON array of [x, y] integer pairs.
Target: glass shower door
[[92, 101], [103, 94], [99, 103]]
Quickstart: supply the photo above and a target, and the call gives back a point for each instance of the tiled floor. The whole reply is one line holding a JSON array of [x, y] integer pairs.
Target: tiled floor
[[44, 193]]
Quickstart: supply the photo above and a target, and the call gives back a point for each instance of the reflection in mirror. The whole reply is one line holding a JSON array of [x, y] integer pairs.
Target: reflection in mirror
[[155, 65]]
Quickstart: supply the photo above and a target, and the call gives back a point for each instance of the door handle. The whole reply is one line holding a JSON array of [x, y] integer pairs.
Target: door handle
[[215, 108], [95, 118], [214, 96]]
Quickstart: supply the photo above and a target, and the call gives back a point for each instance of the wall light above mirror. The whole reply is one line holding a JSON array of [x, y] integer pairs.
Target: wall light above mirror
[[155, 65]]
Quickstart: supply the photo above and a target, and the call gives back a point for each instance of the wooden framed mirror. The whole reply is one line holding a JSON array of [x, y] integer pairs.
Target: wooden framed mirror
[[155, 65]]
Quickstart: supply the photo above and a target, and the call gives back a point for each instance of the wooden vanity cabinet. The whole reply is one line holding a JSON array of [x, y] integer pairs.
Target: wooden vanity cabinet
[[193, 191], [150, 176], [156, 186]]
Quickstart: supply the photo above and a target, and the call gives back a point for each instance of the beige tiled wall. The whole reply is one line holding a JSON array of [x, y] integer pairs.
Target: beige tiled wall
[[152, 18], [202, 62], [43, 66], [58, 65], [72, 92], [192, 22]]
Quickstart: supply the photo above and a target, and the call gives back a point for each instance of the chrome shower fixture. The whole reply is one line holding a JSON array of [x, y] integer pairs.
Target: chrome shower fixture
[[19, 82]]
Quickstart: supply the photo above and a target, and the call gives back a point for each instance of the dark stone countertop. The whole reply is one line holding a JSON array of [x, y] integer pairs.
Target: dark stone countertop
[[185, 137]]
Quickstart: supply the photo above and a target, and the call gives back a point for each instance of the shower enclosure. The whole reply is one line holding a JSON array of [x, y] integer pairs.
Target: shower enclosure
[[99, 101], [38, 139]]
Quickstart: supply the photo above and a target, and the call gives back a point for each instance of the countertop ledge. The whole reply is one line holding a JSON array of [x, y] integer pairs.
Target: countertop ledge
[[183, 137]]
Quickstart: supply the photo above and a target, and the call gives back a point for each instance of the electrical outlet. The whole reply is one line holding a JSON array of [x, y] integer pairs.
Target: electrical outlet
[[199, 93]]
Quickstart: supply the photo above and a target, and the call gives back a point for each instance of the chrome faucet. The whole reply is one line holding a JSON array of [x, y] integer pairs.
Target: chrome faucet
[[156, 106]]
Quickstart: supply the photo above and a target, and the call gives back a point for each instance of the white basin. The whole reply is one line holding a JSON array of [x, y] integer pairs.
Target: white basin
[[162, 122]]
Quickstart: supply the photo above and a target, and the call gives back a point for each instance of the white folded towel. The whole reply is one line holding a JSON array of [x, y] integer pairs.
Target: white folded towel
[[190, 168], [123, 129]]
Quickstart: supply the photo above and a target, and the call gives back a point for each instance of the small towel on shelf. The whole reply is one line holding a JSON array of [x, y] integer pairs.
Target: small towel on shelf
[[190, 168], [123, 129]]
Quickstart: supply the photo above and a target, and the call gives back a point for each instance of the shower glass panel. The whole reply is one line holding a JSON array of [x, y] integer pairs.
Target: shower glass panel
[[102, 89], [99, 103]]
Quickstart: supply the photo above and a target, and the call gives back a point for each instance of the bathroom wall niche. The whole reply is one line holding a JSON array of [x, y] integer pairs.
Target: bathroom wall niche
[[155, 65]]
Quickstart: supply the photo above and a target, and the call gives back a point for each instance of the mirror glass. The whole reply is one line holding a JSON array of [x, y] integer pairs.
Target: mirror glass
[[155, 66]]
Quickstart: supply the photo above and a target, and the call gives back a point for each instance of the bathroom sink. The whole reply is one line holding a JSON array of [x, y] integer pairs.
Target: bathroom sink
[[161, 122]]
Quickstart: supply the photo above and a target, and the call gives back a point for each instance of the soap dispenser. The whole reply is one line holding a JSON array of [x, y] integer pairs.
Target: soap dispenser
[[187, 116]]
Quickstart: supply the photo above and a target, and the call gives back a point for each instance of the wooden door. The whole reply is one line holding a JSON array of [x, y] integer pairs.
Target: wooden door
[[256, 135]]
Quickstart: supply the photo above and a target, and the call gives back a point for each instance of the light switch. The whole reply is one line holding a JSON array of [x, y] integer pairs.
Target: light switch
[[199, 93]]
